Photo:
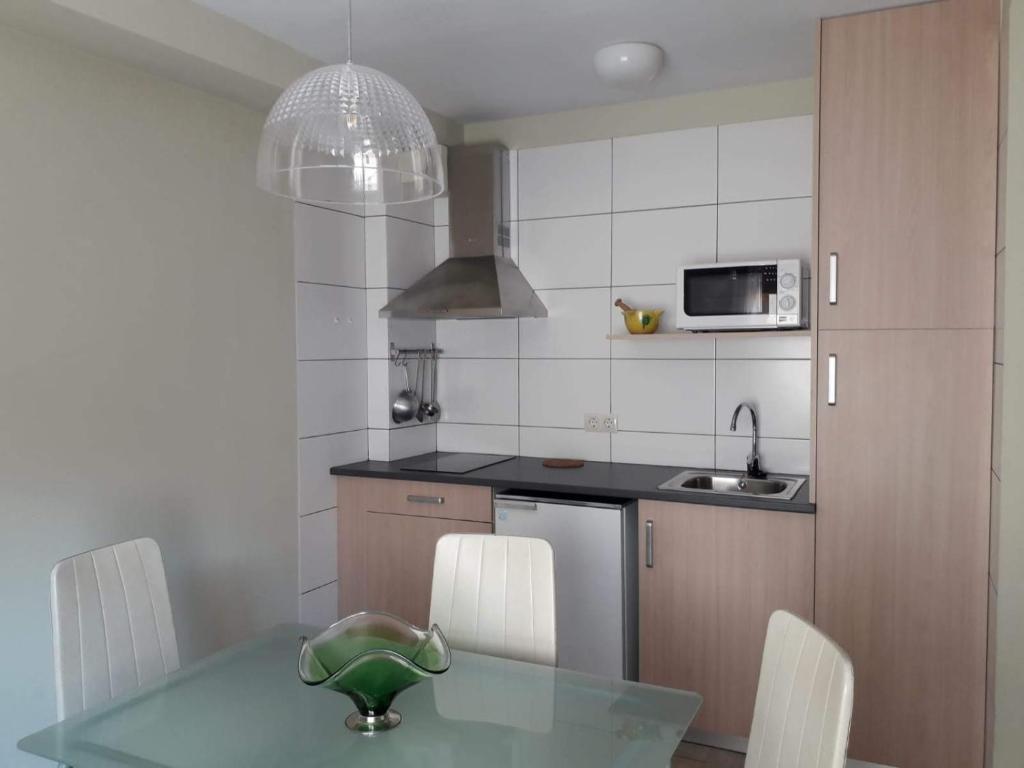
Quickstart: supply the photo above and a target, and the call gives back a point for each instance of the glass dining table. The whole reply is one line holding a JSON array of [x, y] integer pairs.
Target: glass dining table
[[245, 706]]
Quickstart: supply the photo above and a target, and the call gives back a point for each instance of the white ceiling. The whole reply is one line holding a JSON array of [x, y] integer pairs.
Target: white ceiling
[[488, 59]]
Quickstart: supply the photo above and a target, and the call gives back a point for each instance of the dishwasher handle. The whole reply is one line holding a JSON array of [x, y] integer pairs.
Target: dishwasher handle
[[528, 506]]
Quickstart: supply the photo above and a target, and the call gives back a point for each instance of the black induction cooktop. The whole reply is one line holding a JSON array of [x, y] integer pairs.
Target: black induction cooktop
[[451, 463]]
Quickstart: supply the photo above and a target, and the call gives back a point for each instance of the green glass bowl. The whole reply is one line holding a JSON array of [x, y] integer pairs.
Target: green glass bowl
[[371, 657]]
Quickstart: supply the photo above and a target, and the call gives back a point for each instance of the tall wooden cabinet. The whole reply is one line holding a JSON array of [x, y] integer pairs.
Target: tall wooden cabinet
[[707, 588], [902, 546], [906, 206], [387, 532], [907, 167]]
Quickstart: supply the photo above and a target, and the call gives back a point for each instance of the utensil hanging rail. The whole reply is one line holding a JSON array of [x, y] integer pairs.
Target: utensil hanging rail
[[400, 354]]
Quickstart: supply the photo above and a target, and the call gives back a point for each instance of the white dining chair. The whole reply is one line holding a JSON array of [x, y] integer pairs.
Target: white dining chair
[[804, 699], [496, 595], [112, 624]]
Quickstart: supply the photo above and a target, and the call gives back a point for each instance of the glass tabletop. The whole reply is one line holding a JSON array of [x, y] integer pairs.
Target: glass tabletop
[[246, 706]]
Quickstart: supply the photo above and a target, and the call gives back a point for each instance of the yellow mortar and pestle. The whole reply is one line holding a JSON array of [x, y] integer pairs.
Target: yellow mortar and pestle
[[639, 320]]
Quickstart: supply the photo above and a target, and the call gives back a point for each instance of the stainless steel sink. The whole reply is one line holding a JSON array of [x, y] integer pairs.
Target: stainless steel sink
[[734, 484]]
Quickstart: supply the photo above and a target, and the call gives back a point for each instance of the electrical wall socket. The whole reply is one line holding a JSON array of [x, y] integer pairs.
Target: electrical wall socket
[[601, 422]]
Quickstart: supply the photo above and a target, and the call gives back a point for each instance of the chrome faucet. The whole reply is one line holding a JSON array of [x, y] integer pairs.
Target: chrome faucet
[[753, 460]]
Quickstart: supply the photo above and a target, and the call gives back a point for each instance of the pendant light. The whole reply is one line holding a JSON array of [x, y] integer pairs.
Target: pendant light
[[349, 134]]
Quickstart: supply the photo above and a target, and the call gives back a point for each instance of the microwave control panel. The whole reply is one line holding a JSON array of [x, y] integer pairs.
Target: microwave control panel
[[788, 288]]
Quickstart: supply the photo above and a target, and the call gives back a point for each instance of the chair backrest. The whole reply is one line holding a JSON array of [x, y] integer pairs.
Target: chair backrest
[[496, 595], [112, 625], [804, 699]]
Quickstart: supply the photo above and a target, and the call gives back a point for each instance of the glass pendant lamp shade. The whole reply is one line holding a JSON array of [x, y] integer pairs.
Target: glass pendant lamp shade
[[345, 133]]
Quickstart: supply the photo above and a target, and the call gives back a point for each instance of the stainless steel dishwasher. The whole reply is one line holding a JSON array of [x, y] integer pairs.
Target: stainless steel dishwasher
[[595, 547]]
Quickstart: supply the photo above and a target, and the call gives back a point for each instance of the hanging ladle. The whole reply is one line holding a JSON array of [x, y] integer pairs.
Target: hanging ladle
[[421, 381], [433, 408]]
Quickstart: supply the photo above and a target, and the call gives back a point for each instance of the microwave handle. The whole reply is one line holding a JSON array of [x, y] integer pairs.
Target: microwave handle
[[833, 278]]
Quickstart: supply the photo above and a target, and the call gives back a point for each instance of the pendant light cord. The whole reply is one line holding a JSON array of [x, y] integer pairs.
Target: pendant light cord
[[349, 43]]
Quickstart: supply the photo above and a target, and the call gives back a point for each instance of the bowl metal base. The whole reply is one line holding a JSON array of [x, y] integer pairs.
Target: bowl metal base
[[370, 725]]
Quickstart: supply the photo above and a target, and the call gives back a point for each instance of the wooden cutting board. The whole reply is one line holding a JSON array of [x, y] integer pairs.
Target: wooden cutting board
[[563, 463]]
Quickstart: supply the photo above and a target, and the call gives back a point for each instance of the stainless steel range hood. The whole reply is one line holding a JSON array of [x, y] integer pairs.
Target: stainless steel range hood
[[479, 280]]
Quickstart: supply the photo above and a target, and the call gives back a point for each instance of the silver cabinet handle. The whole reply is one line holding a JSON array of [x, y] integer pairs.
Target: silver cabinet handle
[[649, 543], [528, 506], [833, 278], [831, 397], [413, 499]]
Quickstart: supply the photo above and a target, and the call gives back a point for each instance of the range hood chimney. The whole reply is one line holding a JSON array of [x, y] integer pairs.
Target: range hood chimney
[[479, 280]]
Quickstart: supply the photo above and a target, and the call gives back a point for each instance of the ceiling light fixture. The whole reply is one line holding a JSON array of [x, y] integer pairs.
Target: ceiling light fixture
[[629, 65], [345, 133]]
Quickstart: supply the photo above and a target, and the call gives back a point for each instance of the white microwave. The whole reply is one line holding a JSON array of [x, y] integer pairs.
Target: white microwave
[[743, 295]]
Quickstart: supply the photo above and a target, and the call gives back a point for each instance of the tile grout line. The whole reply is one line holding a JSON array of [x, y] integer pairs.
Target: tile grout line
[[332, 285], [333, 434], [714, 375], [319, 586], [317, 511], [714, 203], [366, 335], [739, 434], [611, 280], [519, 326]]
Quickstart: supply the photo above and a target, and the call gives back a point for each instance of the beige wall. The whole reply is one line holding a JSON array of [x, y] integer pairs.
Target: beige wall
[[147, 380], [1008, 581], [182, 41], [731, 105]]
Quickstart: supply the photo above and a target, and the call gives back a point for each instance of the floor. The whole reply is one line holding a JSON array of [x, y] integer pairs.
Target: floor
[[697, 756]]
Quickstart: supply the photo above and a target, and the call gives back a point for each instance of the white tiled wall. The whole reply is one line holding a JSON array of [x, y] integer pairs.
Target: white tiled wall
[[605, 219], [556, 253], [331, 380], [328, 247], [317, 490], [348, 265], [649, 246], [330, 322], [765, 160], [592, 221], [400, 248], [331, 396], [318, 550], [647, 170], [319, 607], [568, 180]]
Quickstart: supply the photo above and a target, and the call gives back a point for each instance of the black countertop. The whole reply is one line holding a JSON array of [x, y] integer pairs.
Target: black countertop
[[595, 478]]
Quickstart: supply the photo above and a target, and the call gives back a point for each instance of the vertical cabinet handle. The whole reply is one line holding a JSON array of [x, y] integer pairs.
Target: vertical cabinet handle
[[649, 543], [833, 278], [831, 397]]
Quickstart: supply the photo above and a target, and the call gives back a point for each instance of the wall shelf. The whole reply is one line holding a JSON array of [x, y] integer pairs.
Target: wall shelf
[[669, 335]]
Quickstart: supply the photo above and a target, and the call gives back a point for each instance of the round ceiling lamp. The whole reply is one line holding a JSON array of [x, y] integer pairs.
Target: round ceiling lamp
[[349, 134], [629, 65]]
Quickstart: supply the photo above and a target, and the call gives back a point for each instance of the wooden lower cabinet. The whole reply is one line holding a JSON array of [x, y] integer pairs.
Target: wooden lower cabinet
[[387, 532], [903, 534], [718, 574], [400, 561]]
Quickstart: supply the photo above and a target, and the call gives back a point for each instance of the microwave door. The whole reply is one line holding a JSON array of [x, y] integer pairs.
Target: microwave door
[[724, 296]]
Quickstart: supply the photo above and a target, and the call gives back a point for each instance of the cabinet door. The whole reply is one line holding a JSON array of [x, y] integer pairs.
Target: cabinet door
[[387, 530], [400, 561], [717, 575], [902, 545], [907, 164]]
